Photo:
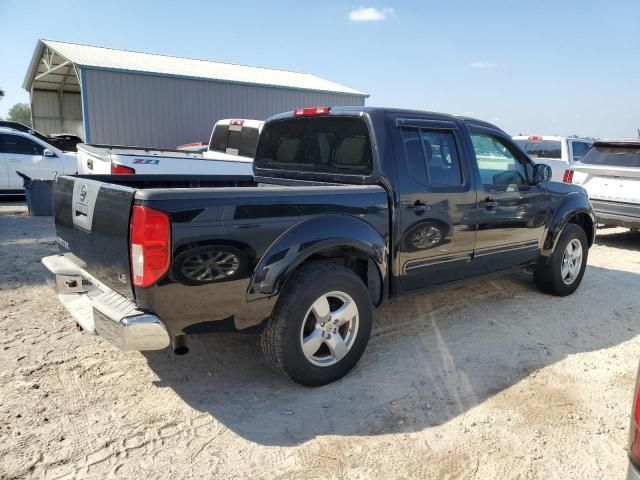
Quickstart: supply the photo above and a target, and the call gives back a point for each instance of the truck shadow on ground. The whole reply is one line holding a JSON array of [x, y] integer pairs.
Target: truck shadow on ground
[[432, 358], [629, 240], [23, 239]]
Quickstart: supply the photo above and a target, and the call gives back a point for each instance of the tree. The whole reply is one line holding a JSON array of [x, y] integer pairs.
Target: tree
[[20, 112]]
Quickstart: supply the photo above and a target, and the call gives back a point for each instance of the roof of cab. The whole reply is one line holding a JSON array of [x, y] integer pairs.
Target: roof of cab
[[377, 110], [620, 142], [557, 138]]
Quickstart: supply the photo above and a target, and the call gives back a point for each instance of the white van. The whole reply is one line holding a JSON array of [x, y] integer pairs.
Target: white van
[[557, 152]]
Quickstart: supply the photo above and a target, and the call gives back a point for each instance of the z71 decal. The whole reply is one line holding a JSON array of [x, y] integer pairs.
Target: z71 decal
[[146, 161]]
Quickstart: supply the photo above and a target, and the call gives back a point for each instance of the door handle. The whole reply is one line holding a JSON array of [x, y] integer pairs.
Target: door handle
[[419, 206], [489, 202]]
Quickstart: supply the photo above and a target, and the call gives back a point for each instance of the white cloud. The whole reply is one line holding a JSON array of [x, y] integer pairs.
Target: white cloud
[[370, 14], [486, 65]]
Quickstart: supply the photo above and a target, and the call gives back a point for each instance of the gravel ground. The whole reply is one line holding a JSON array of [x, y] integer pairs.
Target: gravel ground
[[490, 380]]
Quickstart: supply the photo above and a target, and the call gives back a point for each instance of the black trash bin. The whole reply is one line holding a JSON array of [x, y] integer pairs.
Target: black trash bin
[[39, 194]]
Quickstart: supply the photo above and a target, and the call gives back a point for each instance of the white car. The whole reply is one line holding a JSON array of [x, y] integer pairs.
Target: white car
[[610, 173], [557, 152], [231, 150], [25, 153]]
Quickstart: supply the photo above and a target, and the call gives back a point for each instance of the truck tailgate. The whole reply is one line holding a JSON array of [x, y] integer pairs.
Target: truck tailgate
[[92, 227]]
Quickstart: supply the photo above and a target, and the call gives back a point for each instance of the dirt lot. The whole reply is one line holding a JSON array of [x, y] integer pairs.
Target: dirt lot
[[492, 380]]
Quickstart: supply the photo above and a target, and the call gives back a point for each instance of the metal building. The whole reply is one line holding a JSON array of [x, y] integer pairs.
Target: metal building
[[110, 96]]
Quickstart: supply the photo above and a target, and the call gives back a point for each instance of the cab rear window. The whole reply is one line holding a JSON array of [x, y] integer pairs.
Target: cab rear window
[[615, 156], [335, 145], [241, 141], [542, 148]]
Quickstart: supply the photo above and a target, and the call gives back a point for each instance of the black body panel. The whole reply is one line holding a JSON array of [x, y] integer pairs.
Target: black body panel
[[101, 248], [270, 230]]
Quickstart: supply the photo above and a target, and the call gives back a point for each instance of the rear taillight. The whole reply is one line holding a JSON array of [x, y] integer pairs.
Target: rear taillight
[[311, 111], [121, 170], [149, 244], [634, 434], [568, 176]]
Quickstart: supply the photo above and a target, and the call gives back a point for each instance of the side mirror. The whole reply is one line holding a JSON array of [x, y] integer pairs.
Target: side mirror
[[541, 172], [48, 153]]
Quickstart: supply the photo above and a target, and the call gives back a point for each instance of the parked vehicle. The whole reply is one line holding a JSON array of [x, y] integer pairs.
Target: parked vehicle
[[230, 152], [557, 152], [633, 472], [110, 159], [23, 152], [234, 137], [610, 172], [349, 207], [65, 142]]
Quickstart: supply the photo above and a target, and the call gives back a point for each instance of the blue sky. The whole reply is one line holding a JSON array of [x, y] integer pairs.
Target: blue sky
[[547, 67]]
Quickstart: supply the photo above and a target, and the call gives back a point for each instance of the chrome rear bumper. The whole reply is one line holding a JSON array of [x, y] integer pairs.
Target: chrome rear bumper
[[100, 310]]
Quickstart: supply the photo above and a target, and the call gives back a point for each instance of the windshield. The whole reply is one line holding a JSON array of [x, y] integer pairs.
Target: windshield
[[337, 145], [615, 156], [541, 148]]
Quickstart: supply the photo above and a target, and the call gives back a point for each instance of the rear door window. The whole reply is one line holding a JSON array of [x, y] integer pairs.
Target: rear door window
[[432, 156], [335, 145]]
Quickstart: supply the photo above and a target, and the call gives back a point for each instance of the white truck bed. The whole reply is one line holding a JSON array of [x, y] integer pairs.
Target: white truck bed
[[99, 159]]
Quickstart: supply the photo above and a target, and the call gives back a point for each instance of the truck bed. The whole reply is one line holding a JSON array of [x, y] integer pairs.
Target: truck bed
[[98, 159], [93, 216]]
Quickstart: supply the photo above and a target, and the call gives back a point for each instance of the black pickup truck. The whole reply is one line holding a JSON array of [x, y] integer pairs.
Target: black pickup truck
[[348, 207]]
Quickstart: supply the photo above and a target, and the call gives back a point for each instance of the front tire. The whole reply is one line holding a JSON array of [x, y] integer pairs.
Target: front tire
[[562, 274], [320, 325]]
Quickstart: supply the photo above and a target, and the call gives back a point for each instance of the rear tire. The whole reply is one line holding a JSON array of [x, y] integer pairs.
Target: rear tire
[[320, 325], [562, 273]]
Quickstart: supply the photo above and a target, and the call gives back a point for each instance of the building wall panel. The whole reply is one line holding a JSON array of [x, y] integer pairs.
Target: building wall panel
[[54, 114], [162, 111]]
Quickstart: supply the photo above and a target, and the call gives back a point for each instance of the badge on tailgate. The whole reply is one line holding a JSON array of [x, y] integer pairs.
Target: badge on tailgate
[[85, 193]]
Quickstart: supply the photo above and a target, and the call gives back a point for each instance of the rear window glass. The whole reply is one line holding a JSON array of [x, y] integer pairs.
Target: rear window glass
[[235, 142], [542, 148], [219, 138], [579, 149], [248, 142], [614, 156], [338, 145]]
